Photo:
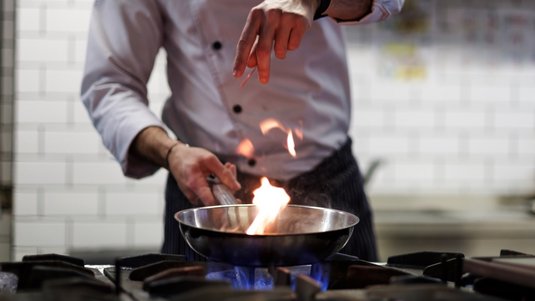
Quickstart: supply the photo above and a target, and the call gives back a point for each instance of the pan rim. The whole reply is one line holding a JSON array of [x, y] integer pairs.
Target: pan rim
[[237, 234]]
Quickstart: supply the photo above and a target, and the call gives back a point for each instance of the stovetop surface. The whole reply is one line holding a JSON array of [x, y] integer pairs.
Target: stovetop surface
[[418, 276]]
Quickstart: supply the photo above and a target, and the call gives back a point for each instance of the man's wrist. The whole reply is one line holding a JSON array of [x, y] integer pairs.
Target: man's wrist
[[170, 150]]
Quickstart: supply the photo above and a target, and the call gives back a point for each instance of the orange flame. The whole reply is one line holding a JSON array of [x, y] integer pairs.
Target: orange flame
[[291, 144], [270, 123], [269, 201], [245, 148]]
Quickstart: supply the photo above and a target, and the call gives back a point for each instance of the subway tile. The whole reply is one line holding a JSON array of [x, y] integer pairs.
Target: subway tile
[[148, 233], [157, 84], [489, 145], [40, 172], [42, 111], [465, 118], [70, 203], [39, 233], [28, 80], [441, 92], [389, 144], [365, 117], [415, 118], [515, 172], [31, 17], [361, 140], [42, 50], [62, 250], [490, 93], [27, 141], [132, 203], [64, 81], [456, 172], [438, 144], [526, 93], [87, 2], [97, 172], [80, 46], [71, 141], [67, 20], [156, 104], [80, 115], [508, 118], [526, 145], [99, 234], [392, 92], [25, 202], [19, 252], [415, 172]]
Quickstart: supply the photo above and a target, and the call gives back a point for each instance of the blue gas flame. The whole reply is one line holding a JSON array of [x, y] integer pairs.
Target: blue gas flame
[[250, 278]]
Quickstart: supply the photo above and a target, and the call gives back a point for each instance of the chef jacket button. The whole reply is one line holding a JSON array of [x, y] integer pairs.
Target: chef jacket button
[[237, 109], [251, 162], [217, 45]]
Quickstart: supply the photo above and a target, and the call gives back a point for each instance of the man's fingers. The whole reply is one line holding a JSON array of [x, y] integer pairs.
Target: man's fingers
[[232, 168], [204, 193], [245, 44], [251, 61], [223, 173], [282, 36], [296, 35], [265, 44]]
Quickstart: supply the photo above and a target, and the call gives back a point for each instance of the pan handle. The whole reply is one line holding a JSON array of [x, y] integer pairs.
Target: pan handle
[[221, 192]]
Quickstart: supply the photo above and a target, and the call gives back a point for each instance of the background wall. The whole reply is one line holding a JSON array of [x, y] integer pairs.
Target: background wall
[[70, 193], [443, 97]]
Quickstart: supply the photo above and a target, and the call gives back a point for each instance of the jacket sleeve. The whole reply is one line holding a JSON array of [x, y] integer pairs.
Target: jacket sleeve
[[381, 10], [124, 39]]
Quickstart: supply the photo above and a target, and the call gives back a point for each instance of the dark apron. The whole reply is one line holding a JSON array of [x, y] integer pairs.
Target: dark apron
[[335, 183]]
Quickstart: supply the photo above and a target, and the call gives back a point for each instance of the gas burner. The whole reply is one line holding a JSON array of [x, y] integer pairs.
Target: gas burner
[[415, 276]]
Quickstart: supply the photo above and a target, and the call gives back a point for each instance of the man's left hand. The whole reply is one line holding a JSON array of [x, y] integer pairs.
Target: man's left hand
[[279, 22]]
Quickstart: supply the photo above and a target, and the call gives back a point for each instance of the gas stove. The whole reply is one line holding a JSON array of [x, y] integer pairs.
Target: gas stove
[[415, 276]]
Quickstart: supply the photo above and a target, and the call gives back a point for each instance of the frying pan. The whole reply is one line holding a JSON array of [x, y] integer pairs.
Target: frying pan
[[300, 234]]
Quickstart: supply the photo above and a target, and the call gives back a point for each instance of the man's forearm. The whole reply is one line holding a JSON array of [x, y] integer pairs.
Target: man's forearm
[[154, 144]]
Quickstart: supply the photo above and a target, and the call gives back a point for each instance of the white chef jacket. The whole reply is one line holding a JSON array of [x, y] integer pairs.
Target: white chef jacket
[[308, 91]]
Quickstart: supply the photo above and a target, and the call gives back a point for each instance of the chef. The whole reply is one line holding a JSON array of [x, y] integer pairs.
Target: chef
[[233, 66]]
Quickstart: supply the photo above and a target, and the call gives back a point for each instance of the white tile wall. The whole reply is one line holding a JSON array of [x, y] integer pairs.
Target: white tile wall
[[27, 203], [50, 50], [132, 203], [100, 234], [466, 127], [71, 203], [147, 233], [70, 140], [70, 194], [40, 233], [40, 172], [41, 111]]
